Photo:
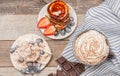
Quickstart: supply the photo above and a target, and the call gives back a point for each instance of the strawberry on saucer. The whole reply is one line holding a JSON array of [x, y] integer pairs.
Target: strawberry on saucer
[[57, 20]]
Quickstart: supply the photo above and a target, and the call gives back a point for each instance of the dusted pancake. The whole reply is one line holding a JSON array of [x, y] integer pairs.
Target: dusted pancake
[[58, 12], [30, 54], [91, 48]]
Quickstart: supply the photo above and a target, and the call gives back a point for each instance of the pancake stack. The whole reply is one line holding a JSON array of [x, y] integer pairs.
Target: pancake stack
[[59, 14]]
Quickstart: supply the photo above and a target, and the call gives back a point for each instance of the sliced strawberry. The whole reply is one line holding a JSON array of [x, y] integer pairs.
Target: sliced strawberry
[[50, 30], [43, 22]]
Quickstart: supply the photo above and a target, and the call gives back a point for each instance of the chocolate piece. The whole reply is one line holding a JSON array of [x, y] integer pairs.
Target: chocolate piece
[[61, 60], [73, 73], [70, 68], [80, 68], [60, 73], [67, 66], [73, 63], [51, 74]]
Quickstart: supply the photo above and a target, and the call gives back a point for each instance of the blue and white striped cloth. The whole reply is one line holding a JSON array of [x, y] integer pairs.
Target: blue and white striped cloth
[[106, 19]]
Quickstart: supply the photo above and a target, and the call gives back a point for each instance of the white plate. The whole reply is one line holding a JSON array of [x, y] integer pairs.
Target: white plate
[[72, 12], [27, 38]]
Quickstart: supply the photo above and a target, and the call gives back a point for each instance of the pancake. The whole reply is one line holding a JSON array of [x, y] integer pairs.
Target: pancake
[[58, 12]]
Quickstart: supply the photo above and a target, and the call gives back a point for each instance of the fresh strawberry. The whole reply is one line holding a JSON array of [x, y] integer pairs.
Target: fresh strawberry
[[43, 23], [50, 30]]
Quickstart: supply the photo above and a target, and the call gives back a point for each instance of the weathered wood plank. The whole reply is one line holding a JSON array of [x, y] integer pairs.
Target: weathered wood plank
[[34, 6], [46, 71], [56, 47], [13, 26], [4, 53], [20, 6], [10, 71]]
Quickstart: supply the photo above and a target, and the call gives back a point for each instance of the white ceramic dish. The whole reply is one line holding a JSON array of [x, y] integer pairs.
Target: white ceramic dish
[[14, 55], [72, 12]]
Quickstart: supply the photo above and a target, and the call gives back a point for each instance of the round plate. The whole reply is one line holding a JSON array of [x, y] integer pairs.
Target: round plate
[[72, 13], [15, 55]]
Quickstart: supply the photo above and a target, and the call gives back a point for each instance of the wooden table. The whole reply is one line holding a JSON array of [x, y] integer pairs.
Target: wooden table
[[19, 17]]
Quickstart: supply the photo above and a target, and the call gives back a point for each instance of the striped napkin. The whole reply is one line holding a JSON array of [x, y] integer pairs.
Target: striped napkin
[[104, 18]]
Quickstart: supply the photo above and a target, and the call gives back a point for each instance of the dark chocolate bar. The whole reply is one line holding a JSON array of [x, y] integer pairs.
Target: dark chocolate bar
[[70, 68]]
